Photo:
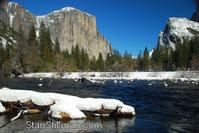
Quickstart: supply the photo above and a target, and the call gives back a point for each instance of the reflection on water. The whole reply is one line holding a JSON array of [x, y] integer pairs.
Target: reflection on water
[[39, 125], [159, 108]]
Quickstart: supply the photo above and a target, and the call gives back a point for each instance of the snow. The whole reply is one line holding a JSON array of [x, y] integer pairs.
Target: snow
[[181, 26], [127, 109], [59, 103], [2, 108], [11, 19], [12, 4], [11, 15], [116, 76], [40, 85], [3, 41], [178, 29], [150, 53], [68, 9]]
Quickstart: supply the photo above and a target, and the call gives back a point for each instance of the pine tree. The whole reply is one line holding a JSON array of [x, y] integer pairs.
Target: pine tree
[[93, 65], [100, 63], [140, 62], [183, 55], [77, 57], [84, 60], [46, 50], [31, 59], [57, 46], [158, 58], [2, 55], [194, 54], [146, 60]]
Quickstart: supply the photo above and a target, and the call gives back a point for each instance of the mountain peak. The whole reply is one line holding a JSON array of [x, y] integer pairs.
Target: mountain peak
[[178, 30], [64, 10], [13, 3], [69, 25]]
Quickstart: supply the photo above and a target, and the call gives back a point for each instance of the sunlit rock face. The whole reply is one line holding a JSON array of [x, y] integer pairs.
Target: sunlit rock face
[[3, 13], [178, 30], [71, 26]]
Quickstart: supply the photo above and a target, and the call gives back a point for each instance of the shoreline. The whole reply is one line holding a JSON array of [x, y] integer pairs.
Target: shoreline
[[177, 75]]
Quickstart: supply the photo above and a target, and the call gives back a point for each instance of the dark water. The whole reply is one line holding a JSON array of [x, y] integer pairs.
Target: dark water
[[159, 109]]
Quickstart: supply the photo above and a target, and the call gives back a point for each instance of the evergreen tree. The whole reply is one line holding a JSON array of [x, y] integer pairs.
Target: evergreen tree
[[84, 60], [2, 55], [140, 62], [77, 57], [182, 55], [57, 46], [100, 63], [31, 59], [46, 50], [194, 54], [93, 65], [146, 60], [158, 58]]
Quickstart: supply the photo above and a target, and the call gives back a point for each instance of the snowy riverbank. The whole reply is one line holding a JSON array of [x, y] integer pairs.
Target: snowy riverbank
[[178, 75]]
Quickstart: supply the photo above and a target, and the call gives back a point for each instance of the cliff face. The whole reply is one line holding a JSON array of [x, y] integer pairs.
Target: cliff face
[[20, 18], [3, 13], [178, 30], [71, 26]]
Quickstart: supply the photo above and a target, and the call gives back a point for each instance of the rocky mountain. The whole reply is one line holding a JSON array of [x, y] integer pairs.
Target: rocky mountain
[[71, 26], [177, 30]]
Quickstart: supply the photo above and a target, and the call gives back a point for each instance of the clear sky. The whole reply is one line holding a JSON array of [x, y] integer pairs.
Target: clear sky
[[127, 24]]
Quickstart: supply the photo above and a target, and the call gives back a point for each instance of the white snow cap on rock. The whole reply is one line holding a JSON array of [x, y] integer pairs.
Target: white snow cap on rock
[[180, 26], [177, 30], [59, 103]]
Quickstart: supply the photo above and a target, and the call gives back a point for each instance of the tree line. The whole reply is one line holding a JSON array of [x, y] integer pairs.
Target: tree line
[[184, 57], [41, 54]]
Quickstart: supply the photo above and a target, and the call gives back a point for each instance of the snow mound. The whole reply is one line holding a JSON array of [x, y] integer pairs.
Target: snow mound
[[63, 104]]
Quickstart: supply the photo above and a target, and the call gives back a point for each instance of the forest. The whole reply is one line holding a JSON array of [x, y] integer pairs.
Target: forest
[[41, 54]]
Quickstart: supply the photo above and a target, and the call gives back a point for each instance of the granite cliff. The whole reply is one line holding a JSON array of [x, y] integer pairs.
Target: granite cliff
[[71, 26]]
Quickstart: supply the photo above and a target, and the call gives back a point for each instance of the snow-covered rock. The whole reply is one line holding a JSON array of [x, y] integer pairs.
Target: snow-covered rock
[[64, 105], [177, 30]]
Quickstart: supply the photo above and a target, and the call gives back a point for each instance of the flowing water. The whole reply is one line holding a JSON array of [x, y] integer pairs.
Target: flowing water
[[159, 108]]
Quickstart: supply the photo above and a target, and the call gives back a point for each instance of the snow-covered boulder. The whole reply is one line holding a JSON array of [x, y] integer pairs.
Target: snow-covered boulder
[[62, 106]]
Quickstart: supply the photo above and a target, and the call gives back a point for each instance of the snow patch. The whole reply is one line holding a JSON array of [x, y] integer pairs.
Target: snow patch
[[2, 108], [150, 53], [116, 76]]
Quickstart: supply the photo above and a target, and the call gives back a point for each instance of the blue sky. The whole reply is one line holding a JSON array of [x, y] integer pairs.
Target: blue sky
[[128, 24]]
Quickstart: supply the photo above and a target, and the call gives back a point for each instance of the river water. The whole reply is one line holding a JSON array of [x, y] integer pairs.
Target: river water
[[159, 108]]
